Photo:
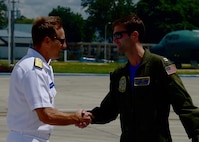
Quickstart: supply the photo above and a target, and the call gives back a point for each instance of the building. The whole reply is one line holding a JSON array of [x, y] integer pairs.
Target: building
[[22, 40], [82, 51]]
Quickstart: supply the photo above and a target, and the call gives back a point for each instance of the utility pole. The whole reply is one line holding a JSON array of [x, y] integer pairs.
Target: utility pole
[[105, 35], [11, 20], [12, 31], [9, 31]]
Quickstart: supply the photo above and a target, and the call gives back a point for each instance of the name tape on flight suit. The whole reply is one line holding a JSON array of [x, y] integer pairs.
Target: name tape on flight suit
[[141, 81]]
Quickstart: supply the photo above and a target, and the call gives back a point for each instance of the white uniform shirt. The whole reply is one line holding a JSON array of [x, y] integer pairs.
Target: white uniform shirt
[[31, 87]]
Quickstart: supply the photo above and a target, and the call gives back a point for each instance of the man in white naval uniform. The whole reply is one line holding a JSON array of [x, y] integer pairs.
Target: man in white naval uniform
[[31, 113]]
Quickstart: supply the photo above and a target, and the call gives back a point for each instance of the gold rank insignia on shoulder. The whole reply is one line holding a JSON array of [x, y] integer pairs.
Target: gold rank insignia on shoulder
[[122, 84], [38, 63], [171, 69]]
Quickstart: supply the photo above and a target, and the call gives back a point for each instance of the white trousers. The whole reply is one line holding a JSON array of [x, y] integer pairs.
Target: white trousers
[[14, 136]]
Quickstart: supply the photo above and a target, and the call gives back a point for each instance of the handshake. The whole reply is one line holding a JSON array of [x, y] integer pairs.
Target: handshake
[[84, 118]]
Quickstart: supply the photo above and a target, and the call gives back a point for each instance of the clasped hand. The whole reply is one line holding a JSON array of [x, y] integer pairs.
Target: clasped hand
[[85, 118]]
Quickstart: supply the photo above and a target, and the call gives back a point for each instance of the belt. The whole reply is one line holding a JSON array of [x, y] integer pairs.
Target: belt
[[37, 134]]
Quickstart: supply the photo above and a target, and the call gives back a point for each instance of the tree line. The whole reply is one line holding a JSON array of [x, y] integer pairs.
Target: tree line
[[160, 17]]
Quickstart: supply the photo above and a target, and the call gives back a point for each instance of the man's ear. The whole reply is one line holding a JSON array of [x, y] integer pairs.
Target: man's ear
[[47, 39], [135, 33]]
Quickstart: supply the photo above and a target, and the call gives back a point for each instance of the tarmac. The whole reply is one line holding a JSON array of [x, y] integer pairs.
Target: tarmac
[[85, 91]]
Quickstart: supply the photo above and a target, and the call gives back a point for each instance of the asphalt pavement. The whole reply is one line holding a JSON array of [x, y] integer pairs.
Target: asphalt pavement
[[81, 91]]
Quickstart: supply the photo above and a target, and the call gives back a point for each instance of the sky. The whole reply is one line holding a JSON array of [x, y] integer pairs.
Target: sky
[[34, 8]]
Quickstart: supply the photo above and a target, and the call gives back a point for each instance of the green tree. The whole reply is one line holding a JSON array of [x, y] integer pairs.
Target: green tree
[[102, 12], [89, 30], [23, 20], [3, 18], [163, 16], [73, 24]]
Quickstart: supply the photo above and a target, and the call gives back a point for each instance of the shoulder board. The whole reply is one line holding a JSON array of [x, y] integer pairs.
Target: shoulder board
[[38, 63]]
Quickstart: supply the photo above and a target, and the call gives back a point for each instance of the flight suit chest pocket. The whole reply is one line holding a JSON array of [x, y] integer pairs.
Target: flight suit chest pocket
[[142, 86]]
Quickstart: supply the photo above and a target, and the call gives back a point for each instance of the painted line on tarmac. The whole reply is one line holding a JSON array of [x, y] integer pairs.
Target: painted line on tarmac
[[91, 74], [79, 74], [5, 74], [66, 74], [189, 75]]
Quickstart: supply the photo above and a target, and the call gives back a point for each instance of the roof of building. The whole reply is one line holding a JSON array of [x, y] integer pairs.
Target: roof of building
[[4, 33], [23, 28], [19, 37], [22, 34]]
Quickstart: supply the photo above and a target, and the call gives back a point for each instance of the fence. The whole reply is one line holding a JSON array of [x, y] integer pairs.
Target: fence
[[95, 51], [77, 51]]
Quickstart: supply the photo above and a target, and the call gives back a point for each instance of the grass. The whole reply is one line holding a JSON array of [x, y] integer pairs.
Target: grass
[[90, 67], [4, 67], [79, 67], [103, 68]]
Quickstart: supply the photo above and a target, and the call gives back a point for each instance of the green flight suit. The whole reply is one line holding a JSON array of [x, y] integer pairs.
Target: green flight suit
[[144, 110]]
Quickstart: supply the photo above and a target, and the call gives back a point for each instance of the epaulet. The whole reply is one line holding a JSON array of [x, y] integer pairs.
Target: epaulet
[[38, 63]]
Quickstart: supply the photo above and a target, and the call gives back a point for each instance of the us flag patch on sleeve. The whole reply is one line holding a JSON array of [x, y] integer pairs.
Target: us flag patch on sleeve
[[170, 69]]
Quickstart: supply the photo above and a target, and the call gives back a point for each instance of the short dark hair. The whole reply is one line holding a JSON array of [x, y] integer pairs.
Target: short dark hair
[[131, 23], [45, 26]]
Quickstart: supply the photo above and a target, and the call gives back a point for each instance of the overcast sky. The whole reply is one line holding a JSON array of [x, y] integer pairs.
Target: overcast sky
[[34, 8]]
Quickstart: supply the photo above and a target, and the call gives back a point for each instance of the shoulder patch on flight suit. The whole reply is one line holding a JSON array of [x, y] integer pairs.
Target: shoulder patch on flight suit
[[165, 59], [38, 63], [122, 84], [170, 69]]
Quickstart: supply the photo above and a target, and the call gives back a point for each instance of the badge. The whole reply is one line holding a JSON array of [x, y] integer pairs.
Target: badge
[[141, 81], [170, 69], [38, 63], [122, 84]]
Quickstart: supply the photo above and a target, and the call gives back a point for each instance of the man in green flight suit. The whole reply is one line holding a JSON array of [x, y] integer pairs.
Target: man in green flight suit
[[142, 91]]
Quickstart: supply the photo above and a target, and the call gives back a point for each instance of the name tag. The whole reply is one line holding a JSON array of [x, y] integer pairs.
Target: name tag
[[141, 81]]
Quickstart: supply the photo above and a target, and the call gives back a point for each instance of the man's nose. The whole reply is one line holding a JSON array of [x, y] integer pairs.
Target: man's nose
[[64, 46]]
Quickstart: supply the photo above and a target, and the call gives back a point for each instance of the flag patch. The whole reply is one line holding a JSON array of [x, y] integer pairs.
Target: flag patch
[[171, 69]]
